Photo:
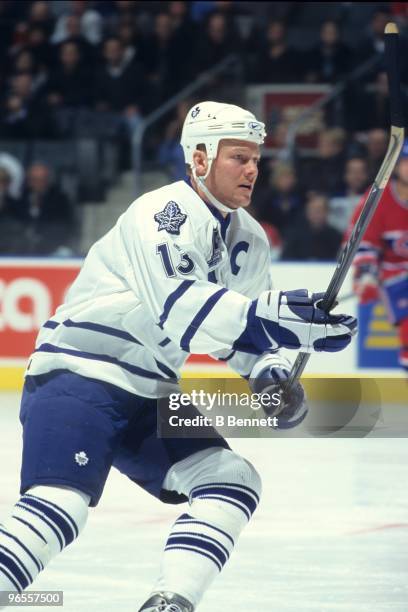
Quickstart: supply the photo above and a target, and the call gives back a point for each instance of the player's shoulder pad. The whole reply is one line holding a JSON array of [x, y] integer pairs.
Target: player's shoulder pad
[[168, 212]]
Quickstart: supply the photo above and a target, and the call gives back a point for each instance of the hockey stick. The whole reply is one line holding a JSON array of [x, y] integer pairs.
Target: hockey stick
[[394, 148]]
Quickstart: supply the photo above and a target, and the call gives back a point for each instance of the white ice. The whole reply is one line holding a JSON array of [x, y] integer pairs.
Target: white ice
[[330, 534]]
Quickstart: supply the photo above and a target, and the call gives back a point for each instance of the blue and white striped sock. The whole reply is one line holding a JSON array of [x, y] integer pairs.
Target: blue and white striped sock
[[44, 521], [201, 542], [200, 538], [242, 497]]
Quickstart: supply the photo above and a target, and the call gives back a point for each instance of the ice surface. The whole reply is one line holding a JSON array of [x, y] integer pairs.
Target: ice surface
[[331, 533]]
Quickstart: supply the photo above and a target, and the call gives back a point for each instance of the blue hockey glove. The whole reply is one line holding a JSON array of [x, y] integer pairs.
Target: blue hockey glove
[[269, 376], [294, 320]]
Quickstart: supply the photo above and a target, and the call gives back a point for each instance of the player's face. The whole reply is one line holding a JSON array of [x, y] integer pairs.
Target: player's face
[[234, 172]]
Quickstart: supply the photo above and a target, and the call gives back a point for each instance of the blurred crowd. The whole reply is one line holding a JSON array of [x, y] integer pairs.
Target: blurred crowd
[[305, 206], [66, 62]]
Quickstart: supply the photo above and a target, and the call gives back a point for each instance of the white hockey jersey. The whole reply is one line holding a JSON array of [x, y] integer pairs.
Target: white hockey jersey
[[172, 277]]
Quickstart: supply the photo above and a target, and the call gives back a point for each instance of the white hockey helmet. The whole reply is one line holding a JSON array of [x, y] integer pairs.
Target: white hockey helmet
[[209, 122]]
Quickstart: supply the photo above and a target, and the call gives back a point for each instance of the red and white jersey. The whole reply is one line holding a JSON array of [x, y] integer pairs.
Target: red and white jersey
[[385, 243]]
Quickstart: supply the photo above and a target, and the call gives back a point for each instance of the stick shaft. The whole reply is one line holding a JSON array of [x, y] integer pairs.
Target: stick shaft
[[375, 193], [370, 205]]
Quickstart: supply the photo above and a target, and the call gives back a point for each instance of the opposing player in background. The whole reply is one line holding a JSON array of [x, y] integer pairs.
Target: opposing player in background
[[381, 263], [185, 269]]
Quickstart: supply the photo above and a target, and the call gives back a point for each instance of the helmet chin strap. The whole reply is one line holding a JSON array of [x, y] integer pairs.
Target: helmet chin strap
[[212, 199]]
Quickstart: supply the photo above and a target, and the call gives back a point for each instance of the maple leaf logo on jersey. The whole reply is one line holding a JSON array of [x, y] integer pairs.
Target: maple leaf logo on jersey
[[81, 458], [170, 219]]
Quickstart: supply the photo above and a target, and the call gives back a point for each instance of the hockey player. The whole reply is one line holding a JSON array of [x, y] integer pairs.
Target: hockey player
[[381, 263], [185, 269]]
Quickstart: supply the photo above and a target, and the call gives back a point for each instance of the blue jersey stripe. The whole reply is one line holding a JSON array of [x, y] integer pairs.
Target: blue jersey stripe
[[199, 318], [172, 299], [50, 348], [103, 329], [164, 342], [166, 370], [51, 324]]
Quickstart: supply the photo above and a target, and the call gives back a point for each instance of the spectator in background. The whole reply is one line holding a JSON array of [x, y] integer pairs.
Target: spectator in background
[[46, 213], [128, 36], [356, 181], [119, 85], [15, 170], [325, 171], [130, 11], [182, 24], [279, 133], [216, 44], [160, 58], [31, 30], [23, 114], [329, 60], [312, 238], [42, 199], [376, 148], [279, 203], [88, 24], [14, 122], [11, 230], [25, 62], [185, 34], [73, 33], [276, 61], [8, 17], [22, 85], [372, 43], [40, 15], [7, 202], [70, 83], [38, 44]]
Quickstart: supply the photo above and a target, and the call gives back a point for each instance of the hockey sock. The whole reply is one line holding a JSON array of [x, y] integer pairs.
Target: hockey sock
[[44, 521], [223, 492]]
